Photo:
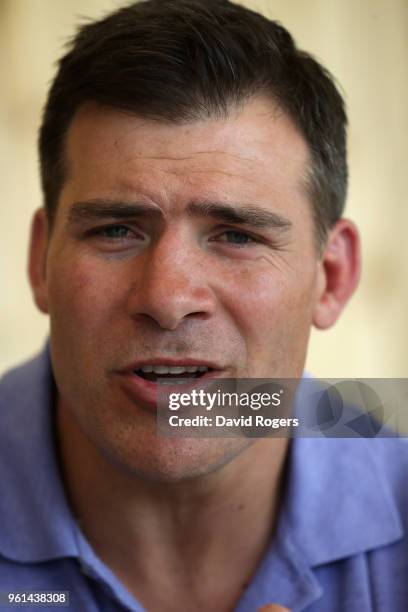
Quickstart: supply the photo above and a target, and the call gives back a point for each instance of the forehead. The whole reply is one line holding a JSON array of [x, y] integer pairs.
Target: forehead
[[254, 153]]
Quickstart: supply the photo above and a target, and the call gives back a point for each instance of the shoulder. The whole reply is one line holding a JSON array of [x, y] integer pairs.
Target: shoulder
[[25, 401], [27, 380], [390, 456]]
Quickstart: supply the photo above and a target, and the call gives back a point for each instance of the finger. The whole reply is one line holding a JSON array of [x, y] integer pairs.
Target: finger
[[273, 608]]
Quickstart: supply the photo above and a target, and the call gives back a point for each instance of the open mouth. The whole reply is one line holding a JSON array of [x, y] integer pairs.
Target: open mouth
[[158, 373], [146, 384]]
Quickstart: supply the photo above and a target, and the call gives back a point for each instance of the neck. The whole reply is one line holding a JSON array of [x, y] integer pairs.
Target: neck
[[215, 527]]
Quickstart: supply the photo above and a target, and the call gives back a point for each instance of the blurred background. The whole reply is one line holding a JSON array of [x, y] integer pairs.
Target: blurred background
[[364, 44]]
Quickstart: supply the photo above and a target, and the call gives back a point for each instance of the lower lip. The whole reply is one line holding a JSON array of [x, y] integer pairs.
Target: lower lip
[[145, 392]]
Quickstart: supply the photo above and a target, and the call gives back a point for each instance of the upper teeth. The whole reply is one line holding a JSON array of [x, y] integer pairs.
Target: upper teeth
[[162, 369]]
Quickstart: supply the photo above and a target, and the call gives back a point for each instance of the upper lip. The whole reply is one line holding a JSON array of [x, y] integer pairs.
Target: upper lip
[[171, 363]]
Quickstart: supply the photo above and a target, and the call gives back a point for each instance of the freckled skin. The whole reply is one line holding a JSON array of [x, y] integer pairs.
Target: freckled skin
[[183, 290]]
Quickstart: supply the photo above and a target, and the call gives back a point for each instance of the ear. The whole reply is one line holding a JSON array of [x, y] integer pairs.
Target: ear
[[339, 273], [37, 269]]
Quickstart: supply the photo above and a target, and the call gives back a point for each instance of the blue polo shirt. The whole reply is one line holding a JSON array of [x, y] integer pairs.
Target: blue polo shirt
[[339, 544]]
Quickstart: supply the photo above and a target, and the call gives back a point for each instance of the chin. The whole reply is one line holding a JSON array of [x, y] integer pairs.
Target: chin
[[173, 460]]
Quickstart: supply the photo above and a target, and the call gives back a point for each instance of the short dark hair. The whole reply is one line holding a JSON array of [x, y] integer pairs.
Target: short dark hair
[[184, 60]]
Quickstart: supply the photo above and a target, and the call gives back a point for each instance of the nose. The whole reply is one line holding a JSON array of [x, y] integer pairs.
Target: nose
[[172, 283]]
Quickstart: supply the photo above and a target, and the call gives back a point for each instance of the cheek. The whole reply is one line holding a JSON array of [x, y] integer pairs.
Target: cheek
[[82, 297], [273, 315], [85, 335], [264, 299]]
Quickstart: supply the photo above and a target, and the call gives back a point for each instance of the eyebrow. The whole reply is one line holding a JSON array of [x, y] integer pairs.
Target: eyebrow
[[240, 214], [94, 210]]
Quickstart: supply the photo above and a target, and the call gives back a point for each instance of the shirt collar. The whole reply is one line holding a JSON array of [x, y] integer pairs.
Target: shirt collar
[[338, 503]]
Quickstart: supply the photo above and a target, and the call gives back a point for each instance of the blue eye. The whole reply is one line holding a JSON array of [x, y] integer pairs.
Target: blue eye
[[114, 231], [237, 238]]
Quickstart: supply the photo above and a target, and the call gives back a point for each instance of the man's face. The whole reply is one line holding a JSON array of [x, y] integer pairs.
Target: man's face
[[146, 261]]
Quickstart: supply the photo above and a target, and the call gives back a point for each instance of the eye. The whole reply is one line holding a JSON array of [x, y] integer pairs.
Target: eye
[[113, 231], [116, 233], [116, 236], [236, 238]]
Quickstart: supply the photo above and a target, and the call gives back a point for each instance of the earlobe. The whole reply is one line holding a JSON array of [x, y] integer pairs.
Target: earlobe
[[339, 273], [37, 269]]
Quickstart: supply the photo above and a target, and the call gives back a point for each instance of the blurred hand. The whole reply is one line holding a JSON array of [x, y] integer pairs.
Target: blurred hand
[[273, 608]]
